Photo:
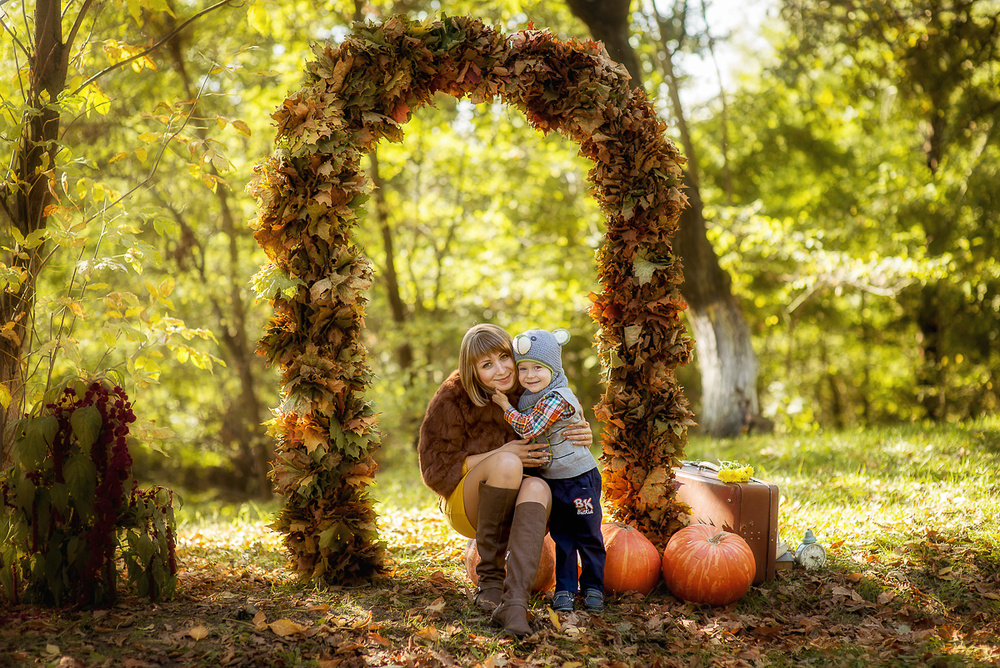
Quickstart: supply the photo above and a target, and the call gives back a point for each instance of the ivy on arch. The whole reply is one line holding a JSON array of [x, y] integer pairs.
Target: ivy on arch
[[309, 196]]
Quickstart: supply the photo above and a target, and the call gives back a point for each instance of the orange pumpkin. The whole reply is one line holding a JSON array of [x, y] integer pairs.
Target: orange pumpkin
[[633, 562], [546, 578], [704, 564]]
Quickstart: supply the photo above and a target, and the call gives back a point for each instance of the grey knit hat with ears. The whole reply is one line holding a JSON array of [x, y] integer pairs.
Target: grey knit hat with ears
[[539, 345]]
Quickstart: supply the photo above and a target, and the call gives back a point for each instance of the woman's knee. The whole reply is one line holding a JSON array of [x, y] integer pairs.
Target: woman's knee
[[504, 470], [535, 490]]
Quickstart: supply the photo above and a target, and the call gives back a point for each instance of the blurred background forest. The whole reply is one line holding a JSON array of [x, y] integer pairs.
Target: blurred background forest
[[843, 171]]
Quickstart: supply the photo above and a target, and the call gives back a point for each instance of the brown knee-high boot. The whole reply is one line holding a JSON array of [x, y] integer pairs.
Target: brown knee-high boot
[[527, 531], [496, 505]]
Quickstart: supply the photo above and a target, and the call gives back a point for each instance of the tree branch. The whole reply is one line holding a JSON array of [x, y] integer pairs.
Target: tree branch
[[152, 48], [75, 29], [14, 37]]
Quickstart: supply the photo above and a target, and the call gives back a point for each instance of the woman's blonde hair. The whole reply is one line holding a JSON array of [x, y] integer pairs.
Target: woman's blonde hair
[[480, 341]]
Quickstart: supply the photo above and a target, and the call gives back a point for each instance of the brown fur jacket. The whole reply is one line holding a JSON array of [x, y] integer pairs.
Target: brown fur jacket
[[455, 428]]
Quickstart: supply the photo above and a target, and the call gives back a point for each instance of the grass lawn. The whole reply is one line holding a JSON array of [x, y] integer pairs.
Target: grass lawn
[[909, 515]]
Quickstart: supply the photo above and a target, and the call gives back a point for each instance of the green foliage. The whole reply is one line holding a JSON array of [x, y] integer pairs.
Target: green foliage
[[68, 513], [87, 303], [157, 151], [827, 238], [844, 243], [490, 222]]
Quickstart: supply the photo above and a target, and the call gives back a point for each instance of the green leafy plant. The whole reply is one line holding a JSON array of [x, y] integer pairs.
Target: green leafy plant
[[57, 193], [71, 507]]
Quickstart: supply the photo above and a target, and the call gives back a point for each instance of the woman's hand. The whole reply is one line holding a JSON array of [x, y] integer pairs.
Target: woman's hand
[[579, 434], [531, 454]]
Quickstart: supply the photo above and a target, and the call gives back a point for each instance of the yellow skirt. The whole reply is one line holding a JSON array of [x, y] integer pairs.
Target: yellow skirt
[[454, 511]]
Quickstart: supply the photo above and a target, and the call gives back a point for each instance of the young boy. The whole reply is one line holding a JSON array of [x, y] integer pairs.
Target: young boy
[[547, 407]]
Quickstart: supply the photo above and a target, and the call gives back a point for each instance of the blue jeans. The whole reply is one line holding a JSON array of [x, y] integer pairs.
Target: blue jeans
[[575, 527]]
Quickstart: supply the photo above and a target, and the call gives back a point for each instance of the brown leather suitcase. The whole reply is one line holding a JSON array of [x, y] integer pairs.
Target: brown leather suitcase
[[749, 509]]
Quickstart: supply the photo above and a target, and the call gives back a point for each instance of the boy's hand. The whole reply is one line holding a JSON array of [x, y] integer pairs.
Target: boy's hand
[[501, 400]]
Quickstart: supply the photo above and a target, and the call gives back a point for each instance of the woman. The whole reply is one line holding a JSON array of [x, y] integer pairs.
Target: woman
[[476, 462]]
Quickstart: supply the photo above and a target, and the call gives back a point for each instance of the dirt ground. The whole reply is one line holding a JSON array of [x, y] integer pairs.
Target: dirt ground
[[254, 616]]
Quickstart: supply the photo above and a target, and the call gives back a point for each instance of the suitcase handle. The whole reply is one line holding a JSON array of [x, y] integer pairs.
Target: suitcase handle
[[701, 464]]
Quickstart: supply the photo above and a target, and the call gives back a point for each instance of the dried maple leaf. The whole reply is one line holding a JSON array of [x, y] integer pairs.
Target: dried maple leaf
[[286, 627]]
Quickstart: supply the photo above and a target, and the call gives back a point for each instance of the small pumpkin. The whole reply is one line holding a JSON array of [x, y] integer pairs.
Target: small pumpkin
[[633, 562], [705, 564], [546, 578]]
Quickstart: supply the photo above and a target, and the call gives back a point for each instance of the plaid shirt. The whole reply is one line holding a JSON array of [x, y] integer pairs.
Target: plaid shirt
[[545, 413]]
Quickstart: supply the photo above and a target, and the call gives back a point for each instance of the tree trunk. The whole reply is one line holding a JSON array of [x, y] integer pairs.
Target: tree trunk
[[727, 175], [25, 202], [931, 381], [254, 441], [723, 348], [608, 22], [929, 317], [404, 353], [246, 414], [723, 345]]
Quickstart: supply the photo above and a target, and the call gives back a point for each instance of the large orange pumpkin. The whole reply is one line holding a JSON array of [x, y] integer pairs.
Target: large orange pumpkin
[[705, 564], [633, 562], [546, 578]]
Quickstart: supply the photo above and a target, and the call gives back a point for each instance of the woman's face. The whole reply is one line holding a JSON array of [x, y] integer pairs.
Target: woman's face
[[496, 371]]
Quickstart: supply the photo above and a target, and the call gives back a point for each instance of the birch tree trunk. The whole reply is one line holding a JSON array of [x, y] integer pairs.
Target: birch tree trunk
[[723, 347]]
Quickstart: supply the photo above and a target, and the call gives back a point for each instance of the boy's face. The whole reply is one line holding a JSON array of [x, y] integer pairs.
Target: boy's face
[[533, 376]]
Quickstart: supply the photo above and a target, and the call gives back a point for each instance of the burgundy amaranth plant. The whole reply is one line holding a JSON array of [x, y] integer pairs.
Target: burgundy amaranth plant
[[77, 508]]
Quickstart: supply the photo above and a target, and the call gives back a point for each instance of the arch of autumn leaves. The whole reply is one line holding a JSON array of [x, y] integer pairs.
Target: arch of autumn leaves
[[310, 192]]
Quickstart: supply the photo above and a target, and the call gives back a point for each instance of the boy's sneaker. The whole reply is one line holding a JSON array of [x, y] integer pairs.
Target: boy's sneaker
[[593, 600], [562, 601]]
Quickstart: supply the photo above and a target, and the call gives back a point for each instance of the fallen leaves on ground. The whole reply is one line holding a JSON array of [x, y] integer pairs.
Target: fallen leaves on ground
[[934, 600]]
